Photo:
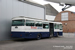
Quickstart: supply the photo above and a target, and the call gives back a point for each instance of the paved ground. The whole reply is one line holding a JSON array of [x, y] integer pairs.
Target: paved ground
[[66, 42]]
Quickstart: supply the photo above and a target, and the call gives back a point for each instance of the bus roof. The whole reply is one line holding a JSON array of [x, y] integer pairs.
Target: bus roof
[[22, 17], [57, 22]]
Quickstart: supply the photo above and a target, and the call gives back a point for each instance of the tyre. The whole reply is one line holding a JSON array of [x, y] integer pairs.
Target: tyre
[[38, 36]]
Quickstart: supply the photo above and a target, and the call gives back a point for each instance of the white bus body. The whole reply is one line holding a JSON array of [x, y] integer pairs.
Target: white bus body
[[23, 27]]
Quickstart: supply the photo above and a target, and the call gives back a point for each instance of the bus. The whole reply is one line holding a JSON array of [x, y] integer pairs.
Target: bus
[[29, 28]]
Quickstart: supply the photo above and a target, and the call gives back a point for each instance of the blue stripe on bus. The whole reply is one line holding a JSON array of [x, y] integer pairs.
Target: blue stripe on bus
[[32, 34]]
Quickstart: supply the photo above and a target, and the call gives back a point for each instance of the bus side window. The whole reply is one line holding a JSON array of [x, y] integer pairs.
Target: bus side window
[[45, 25], [30, 23], [60, 27], [39, 24], [56, 26]]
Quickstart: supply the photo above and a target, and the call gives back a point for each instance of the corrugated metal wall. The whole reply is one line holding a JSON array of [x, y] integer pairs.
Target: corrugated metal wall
[[15, 8], [50, 10]]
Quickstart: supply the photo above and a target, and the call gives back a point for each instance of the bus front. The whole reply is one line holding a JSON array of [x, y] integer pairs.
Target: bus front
[[17, 28]]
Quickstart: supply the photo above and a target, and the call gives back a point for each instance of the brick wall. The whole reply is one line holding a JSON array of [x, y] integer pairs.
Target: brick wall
[[70, 27]]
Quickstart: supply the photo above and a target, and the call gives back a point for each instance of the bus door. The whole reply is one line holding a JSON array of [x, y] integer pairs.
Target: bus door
[[51, 29]]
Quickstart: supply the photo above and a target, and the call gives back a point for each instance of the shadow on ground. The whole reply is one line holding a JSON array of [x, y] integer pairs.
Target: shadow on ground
[[22, 40]]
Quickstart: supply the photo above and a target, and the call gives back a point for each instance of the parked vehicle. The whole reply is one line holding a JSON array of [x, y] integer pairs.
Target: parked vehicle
[[24, 27]]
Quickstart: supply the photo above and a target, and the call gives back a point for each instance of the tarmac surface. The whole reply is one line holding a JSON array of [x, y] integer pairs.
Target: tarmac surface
[[65, 42]]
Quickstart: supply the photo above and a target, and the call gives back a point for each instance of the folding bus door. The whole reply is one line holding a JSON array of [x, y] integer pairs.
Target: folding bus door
[[51, 29]]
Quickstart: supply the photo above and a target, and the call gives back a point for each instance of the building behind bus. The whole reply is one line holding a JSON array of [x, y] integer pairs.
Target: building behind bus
[[68, 20]]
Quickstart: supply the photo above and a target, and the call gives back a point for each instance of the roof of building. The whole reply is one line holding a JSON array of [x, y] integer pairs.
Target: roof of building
[[50, 10], [32, 3]]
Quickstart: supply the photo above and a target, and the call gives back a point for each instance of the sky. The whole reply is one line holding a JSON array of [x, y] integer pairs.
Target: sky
[[55, 5]]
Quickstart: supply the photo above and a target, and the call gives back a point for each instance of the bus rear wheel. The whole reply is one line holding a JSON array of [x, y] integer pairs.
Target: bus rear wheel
[[57, 34], [38, 36]]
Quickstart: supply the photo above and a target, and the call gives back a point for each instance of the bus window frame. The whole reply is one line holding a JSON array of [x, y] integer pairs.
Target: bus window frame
[[48, 25], [60, 25], [19, 19], [39, 26], [30, 20], [56, 25]]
